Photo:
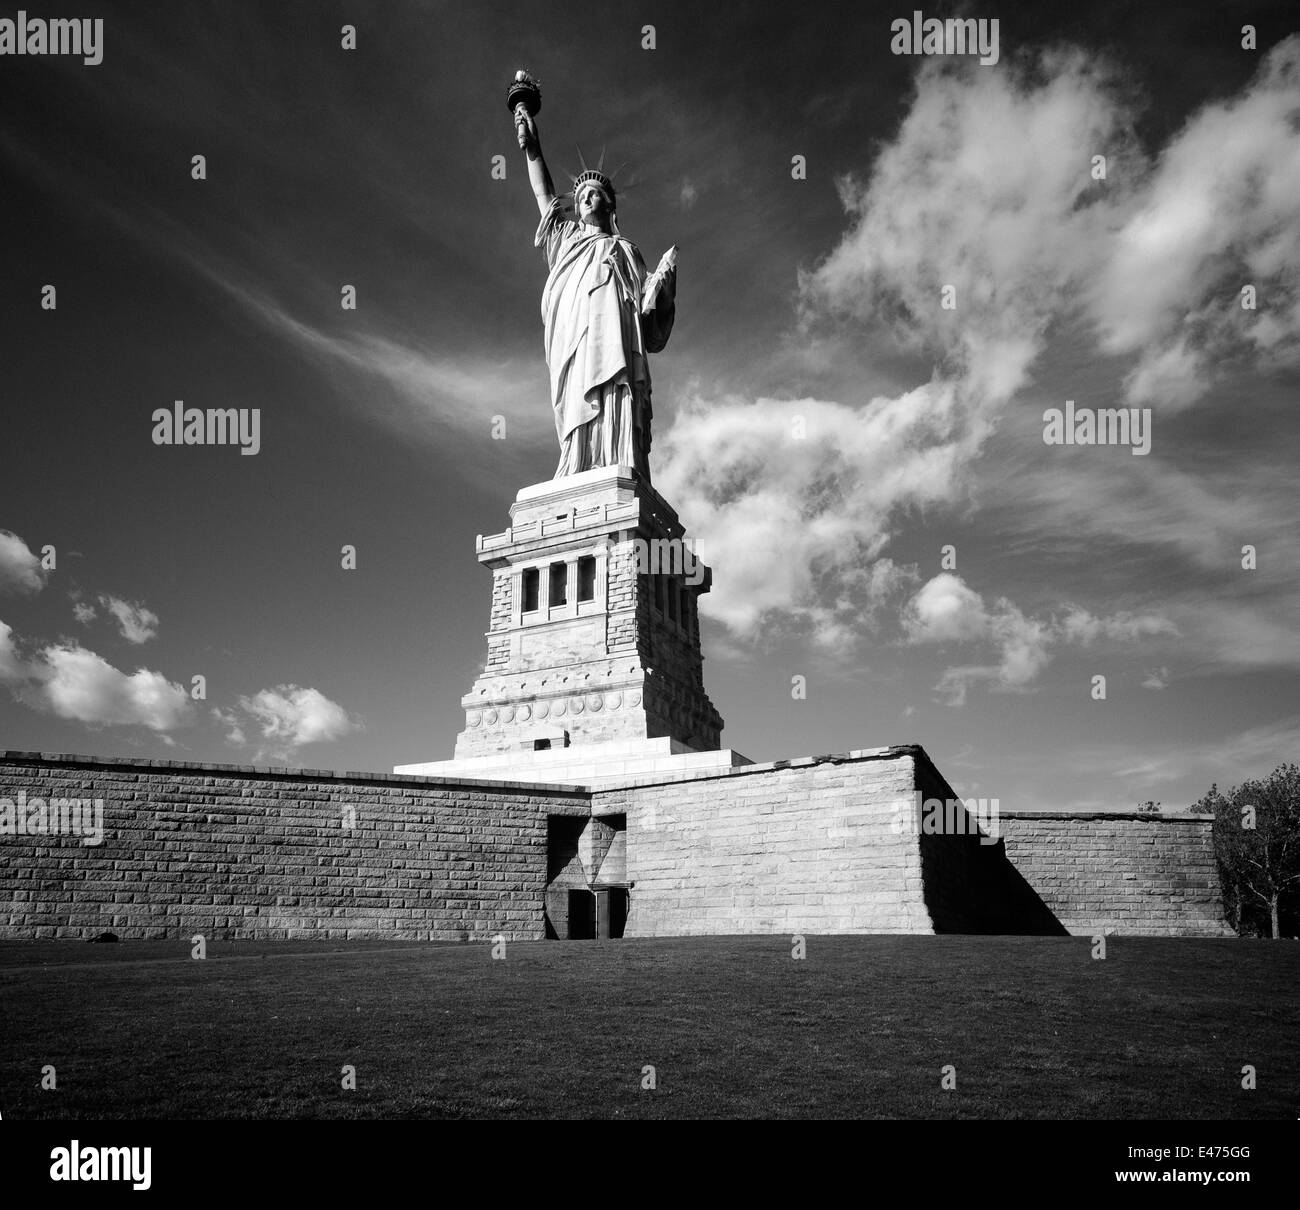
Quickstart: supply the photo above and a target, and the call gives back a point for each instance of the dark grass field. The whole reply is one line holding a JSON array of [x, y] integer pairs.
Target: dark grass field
[[733, 1026]]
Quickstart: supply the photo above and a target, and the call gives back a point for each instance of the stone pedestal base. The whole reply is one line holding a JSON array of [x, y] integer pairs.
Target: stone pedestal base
[[594, 633], [611, 763]]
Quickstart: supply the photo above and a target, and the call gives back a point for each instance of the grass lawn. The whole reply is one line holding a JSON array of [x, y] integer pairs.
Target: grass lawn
[[733, 1026]]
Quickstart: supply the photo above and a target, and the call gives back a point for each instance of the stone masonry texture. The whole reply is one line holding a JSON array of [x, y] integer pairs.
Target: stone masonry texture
[[815, 845], [239, 852], [1127, 874]]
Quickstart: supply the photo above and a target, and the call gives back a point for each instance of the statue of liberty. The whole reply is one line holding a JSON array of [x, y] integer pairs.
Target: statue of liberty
[[602, 313]]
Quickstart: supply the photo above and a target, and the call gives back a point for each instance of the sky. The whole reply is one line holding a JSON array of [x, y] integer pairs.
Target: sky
[[892, 268]]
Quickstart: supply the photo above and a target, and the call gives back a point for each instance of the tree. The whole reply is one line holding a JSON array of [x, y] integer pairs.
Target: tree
[[1257, 847], [1148, 808]]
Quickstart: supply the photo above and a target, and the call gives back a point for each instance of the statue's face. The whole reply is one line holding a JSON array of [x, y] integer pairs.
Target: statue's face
[[594, 207]]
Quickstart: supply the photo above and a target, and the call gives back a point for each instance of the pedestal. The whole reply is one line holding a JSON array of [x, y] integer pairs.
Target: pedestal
[[594, 630]]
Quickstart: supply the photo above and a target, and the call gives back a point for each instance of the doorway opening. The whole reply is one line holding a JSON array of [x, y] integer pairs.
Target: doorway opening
[[582, 916], [611, 911]]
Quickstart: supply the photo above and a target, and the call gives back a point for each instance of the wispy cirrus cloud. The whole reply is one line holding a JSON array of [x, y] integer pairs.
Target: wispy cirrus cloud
[[434, 390], [1252, 752]]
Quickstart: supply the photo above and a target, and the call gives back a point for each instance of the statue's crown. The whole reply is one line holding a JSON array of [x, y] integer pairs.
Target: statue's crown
[[590, 175]]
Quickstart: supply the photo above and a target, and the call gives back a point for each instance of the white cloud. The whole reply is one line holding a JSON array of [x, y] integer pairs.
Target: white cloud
[[947, 610], [68, 680], [1080, 626], [1252, 753], [1217, 212], [290, 716], [20, 569], [84, 613], [228, 718], [793, 525], [138, 624], [74, 683], [1156, 678], [11, 666], [985, 188]]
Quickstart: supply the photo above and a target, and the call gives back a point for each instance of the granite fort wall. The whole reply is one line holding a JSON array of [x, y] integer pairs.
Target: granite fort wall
[[810, 845], [815, 845], [240, 852], [1134, 874], [970, 886], [800, 846]]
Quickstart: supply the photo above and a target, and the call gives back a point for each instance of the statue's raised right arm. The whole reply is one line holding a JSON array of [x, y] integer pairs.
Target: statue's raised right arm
[[531, 145]]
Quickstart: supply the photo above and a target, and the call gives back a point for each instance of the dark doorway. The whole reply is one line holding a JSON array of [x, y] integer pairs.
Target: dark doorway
[[611, 911], [582, 916]]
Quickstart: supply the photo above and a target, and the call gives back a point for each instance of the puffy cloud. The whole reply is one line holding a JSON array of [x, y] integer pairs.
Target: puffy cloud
[[74, 683], [68, 680], [11, 666], [985, 189], [84, 612], [138, 624], [20, 570], [982, 189], [1218, 211], [947, 610], [290, 716], [792, 500]]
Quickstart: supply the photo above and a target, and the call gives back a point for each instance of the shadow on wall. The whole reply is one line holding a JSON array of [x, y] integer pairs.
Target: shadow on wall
[[969, 885]]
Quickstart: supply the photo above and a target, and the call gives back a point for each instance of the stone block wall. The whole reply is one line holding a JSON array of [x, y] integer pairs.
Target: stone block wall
[[970, 886], [1128, 874], [798, 846], [812, 845], [241, 852], [834, 844]]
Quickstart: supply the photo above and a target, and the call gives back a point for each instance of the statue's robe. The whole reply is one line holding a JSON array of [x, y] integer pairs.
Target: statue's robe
[[596, 344]]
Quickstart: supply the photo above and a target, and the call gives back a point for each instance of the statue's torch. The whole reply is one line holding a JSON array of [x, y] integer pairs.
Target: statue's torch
[[523, 99]]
